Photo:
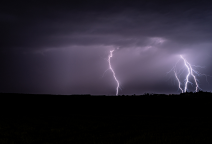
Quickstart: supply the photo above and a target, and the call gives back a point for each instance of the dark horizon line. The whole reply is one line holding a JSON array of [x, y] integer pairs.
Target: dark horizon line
[[144, 94]]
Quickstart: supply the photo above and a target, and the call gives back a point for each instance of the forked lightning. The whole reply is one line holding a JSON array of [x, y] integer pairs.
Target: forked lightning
[[191, 72]]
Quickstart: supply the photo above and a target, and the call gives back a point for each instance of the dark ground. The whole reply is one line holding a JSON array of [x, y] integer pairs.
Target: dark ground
[[58, 119]]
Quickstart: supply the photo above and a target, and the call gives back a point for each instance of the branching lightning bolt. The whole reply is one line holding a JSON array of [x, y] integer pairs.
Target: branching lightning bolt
[[110, 56], [190, 72]]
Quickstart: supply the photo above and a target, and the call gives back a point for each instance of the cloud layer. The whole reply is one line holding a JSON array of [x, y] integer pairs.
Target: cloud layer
[[63, 48]]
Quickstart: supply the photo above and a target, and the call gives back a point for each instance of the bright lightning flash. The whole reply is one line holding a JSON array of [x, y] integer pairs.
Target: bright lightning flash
[[110, 56], [190, 71], [185, 62]]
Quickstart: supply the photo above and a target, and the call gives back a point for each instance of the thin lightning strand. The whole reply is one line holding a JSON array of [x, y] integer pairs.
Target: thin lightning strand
[[105, 72], [178, 81], [173, 67], [198, 73], [176, 75], [110, 56], [187, 74], [206, 76], [193, 76]]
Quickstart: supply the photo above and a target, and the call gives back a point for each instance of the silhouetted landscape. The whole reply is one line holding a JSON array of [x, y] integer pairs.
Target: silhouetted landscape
[[192, 94], [149, 118]]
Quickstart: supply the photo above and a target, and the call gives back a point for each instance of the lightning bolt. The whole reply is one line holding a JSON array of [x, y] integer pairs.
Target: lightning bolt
[[197, 86], [178, 81], [110, 67], [190, 72], [176, 75], [185, 62]]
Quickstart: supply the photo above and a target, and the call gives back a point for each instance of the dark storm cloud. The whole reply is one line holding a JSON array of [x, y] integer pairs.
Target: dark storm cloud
[[55, 26], [150, 36]]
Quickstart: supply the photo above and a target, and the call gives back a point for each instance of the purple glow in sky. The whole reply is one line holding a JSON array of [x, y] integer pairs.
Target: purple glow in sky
[[58, 47]]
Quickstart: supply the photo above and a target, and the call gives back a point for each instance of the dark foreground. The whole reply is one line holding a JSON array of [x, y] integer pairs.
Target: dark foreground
[[45, 119]]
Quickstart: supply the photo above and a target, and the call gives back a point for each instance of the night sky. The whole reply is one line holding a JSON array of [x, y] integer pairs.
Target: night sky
[[62, 47]]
